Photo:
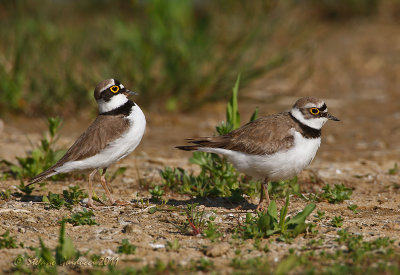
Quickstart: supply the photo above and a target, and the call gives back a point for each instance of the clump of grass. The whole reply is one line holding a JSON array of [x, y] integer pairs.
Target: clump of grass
[[54, 200], [126, 248], [353, 208], [47, 259], [74, 195], [337, 194], [337, 221], [197, 224], [173, 246], [266, 224], [217, 176], [5, 194], [394, 170], [84, 217], [69, 198], [156, 193], [40, 158], [7, 241]]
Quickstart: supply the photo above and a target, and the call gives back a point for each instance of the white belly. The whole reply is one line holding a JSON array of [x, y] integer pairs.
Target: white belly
[[116, 150], [278, 166]]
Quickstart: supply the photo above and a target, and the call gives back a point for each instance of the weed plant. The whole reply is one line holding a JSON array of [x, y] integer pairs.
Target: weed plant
[[7, 241], [84, 217], [266, 224], [46, 260], [337, 194], [40, 158], [217, 176], [126, 248], [70, 197]]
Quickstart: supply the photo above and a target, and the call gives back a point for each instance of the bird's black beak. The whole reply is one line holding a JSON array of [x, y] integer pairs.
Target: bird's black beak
[[331, 117], [128, 92]]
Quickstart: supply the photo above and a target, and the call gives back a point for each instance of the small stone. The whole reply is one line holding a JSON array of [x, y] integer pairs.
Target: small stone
[[21, 230], [217, 250]]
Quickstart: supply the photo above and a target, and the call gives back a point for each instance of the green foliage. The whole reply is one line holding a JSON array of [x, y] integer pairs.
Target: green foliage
[[126, 248], [211, 231], [357, 248], [156, 193], [115, 174], [337, 194], [394, 170], [353, 208], [265, 224], [337, 221], [40, 158], [232, 112], [84, 217], [149, 43], [204, 264], [5, 194], [7, 241], [279, 189], [173, 246], [74, 195], [65, 249], [194, 222], [26, 190], [320, 215], [217, 176], [69, 198], [54, 200]]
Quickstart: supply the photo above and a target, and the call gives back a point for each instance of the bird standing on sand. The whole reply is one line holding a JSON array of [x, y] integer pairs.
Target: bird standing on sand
[[272, 148], [116, 132]]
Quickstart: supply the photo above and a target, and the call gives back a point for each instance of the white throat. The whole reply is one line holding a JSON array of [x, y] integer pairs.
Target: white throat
[[115, 102], [315, 123]]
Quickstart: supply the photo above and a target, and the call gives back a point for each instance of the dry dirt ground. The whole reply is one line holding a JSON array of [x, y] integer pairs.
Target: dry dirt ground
[[354, 66]]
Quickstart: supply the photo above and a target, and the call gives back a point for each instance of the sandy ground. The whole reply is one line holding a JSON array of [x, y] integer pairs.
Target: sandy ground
[[357, 75]]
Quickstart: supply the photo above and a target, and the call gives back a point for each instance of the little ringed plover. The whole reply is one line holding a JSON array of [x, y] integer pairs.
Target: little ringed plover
[[116, 132], [272, 148]]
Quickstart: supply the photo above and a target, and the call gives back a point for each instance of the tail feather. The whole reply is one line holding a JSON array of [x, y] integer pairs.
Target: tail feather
[[44, 175], [200, 142], [188, 147]]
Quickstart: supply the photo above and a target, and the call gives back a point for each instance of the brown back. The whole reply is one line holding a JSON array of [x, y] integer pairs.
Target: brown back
[[100, 133], [266, 135]]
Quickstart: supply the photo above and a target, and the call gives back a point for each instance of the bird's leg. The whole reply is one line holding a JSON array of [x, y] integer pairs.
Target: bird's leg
[[105, 186], [90, 191], [264, 191]]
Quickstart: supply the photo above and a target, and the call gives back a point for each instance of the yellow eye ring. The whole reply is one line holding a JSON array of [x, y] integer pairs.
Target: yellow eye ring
[[114, 89], [314, 111]]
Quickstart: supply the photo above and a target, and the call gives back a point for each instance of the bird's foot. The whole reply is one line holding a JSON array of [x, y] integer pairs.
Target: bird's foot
[[91, 205]]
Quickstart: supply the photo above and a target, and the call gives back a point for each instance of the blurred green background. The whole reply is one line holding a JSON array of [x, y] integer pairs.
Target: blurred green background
[[178, 54]]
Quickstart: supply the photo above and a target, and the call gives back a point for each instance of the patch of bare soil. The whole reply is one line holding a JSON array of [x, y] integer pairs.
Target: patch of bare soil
[[353, 66]]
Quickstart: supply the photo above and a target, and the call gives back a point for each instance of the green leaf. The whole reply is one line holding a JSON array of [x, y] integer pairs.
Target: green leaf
[[302, 216], [283, 214], [272, 210], [254, 115], [45, 253]]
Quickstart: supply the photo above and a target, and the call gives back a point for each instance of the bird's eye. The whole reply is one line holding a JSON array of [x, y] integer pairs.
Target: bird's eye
[[314, 111], [114, 89]]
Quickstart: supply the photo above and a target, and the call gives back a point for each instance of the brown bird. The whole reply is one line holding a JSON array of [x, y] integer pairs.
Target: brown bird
[[116, 132], [272, 148]]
